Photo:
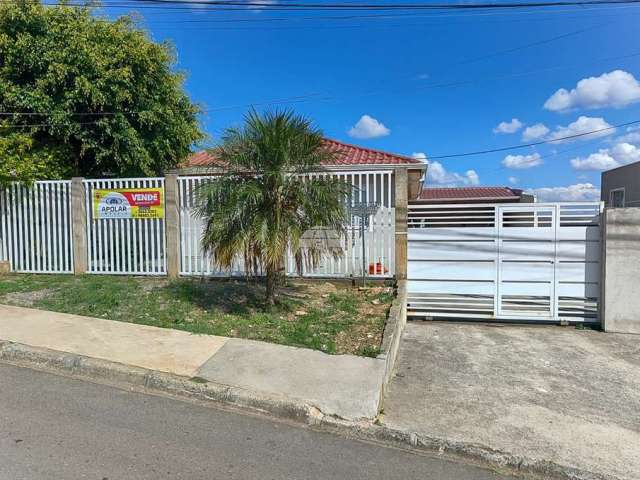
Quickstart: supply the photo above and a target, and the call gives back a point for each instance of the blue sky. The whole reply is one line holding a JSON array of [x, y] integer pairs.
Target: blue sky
[[432, 84]]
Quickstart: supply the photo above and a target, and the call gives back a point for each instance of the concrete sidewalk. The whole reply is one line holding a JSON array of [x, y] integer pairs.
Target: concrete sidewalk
[[561, 398], [344, 386]]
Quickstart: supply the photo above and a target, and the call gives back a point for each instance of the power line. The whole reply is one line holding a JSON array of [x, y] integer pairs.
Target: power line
[[381, 6], [35, 125], [533, 44], [524, 145], [328, 98], [554, 155], [295, 99], [204, 5], [434, 157]]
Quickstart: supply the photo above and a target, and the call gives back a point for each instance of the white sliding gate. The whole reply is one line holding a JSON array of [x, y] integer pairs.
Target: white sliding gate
[[35, 227], [125, 246], [505, 261], [373, 186]]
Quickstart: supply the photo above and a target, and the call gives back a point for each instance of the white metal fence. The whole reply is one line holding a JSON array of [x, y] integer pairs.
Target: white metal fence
[[36, 231], [35, 227], [374, 186], [509, 261], [125, 246]]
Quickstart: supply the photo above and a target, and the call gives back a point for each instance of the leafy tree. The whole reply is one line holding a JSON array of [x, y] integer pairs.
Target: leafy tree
[[83, 95], [263, 205]]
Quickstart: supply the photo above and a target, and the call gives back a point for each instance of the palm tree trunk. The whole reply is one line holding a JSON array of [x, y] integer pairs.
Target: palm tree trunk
[[271, 286]]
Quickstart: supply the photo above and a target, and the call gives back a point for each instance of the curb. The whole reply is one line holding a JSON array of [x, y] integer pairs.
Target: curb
[[120, 375], [477, 454]]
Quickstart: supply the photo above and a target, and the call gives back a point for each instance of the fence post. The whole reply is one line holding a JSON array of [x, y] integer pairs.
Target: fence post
[[172, 222], [79, 225], [401, 206]]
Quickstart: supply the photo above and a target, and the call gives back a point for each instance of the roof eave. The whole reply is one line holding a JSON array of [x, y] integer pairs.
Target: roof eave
[[375, 166], [467, 199], [198, 170]]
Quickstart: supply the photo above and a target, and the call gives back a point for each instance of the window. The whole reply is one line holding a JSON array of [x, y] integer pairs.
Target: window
[[616, 198]]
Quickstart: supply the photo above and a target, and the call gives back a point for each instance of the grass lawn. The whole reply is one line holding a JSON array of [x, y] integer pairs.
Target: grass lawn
[[329, 316]]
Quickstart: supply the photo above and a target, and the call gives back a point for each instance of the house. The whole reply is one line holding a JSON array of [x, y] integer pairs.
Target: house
[[347, 158], [438, 195], [620, 187]]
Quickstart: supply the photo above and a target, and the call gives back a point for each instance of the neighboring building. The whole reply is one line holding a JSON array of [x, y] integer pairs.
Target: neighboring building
[[620, 187], [438, 195], [348, 158]]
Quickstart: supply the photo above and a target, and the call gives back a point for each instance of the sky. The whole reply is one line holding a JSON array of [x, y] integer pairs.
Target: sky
[[429, 84]]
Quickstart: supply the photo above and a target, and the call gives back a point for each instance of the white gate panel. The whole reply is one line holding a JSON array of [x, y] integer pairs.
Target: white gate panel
[[125, 246], [35, 227], [452, 250], [504, 261], [456, 270]]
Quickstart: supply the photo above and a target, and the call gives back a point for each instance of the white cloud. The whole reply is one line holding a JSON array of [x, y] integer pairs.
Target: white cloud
[[600, 160], [582, 126], [513, 180], [508, 127], [368, 127], [613, 89], [257, 6], [534, 132], [472, 177], [608, 158], [437, 174], [579, 192], [632, 135], [522, 162]]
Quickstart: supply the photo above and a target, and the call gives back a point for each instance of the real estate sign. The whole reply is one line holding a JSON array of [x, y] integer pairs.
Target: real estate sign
[[128, 203]]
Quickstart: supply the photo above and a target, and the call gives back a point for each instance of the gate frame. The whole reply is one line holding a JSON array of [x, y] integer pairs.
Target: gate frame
[[565, 214]]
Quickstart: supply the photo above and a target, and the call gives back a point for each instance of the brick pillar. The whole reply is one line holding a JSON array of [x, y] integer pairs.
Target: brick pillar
[[172, 223], [79, 226], [401, 184]]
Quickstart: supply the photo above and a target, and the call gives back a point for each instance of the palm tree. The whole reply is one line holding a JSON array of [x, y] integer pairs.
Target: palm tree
[[264, 205]]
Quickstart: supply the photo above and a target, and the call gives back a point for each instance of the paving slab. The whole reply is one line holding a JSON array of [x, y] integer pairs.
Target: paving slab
[[160, 349], [342, 385], [553, 394]]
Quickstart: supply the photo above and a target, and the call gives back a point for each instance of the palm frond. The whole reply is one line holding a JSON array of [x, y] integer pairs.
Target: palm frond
[[266, 203]]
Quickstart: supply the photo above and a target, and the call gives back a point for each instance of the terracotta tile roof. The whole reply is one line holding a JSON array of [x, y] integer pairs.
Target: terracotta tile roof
[[470, 193], [200, 159], [346, 154]]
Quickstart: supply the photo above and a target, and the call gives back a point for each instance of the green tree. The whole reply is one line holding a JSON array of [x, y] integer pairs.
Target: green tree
[[263, 204], [84, 95]]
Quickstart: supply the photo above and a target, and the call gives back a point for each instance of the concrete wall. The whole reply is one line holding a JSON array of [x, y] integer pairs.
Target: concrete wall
[[620, 301], [627, 177]]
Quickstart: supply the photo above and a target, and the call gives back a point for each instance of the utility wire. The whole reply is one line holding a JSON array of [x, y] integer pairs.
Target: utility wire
[[435, 157], [35, 125], [204, 5], [525, 145], [328, 98], [295, 99], [388, 6]]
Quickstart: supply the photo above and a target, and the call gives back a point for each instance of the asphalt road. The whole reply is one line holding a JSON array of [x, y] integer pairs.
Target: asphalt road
[[59, 428]]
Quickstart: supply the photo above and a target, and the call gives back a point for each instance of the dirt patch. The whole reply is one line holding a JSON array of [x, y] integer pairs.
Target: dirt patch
[[147, 286], [27, 299], [365, 336]]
